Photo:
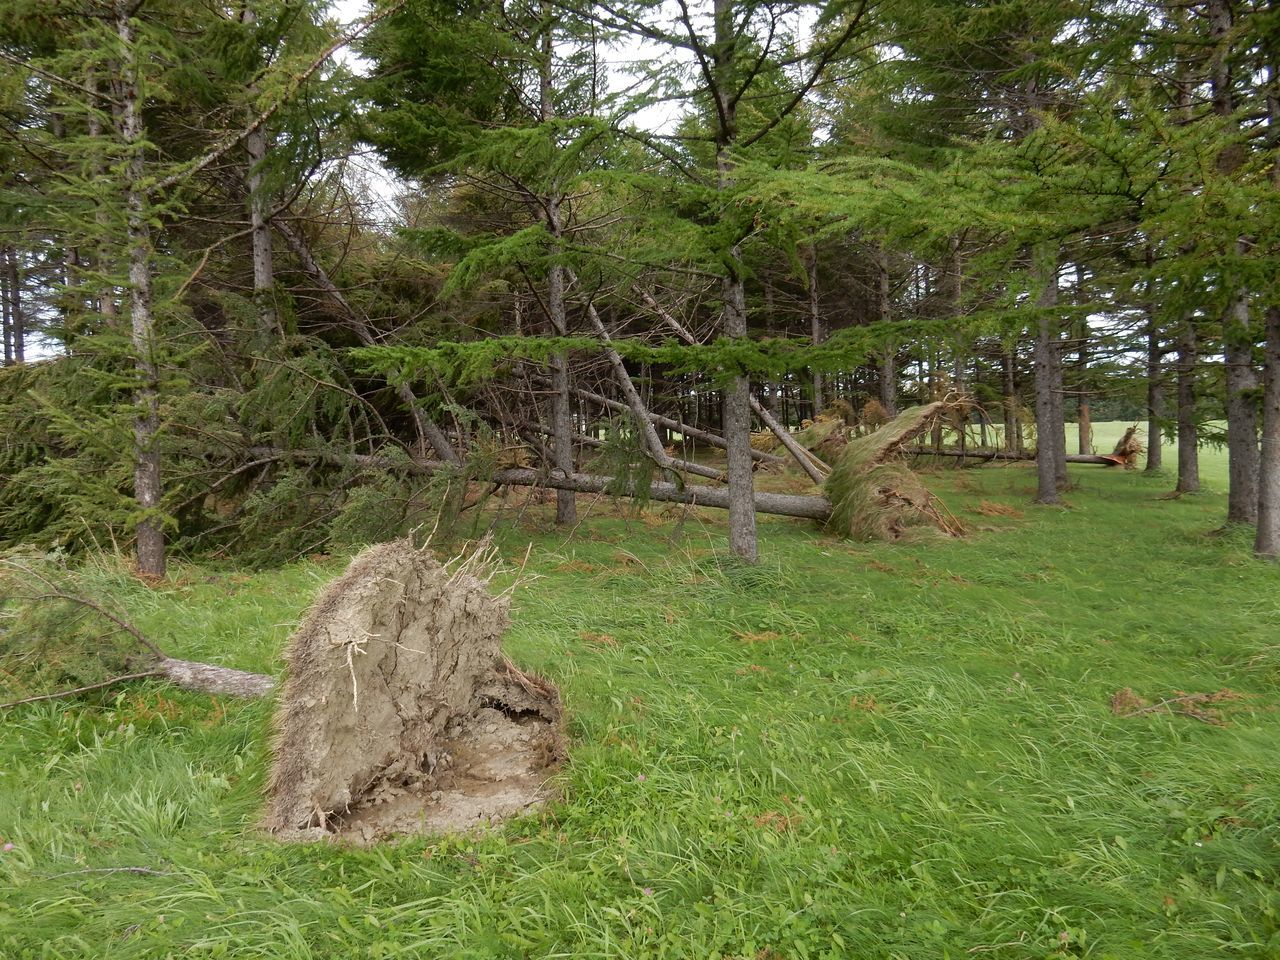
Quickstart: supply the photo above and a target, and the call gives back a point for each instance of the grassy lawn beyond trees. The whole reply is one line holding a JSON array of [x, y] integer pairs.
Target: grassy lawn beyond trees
[[861, 751]]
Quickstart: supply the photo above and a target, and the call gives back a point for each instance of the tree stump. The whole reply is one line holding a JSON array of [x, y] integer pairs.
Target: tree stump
[[399, 712]]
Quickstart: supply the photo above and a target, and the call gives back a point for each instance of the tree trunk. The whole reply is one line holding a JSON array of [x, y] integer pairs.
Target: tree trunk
[[737, 397], [6, 323], [778, 504], [1155, 398], [208, 678], [146, 426], [264, 280], [1267, 541], [1012, 429], [1241, 378], [1048, 368], [816, 328], [984, 455], [17, 318], [888, 375], [1084, 419], [737, 432], [1242, 415], [561, 413], [1188, 430]]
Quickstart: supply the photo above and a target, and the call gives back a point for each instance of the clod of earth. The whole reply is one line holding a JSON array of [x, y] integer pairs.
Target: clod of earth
[[399, 712]]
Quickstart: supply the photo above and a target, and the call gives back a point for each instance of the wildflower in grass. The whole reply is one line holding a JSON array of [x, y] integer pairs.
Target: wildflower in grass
[[7, 847], [647, 891], [641, 778]]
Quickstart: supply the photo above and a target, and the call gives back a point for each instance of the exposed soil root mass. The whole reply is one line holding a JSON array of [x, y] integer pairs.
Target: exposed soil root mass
[[399, 712], [874, 495]]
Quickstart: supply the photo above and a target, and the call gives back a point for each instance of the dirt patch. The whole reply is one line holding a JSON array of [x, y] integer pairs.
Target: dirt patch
[[399, 712], [491, 767]]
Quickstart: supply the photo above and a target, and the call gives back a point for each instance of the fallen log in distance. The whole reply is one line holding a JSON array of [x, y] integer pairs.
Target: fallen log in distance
[[984, 455]]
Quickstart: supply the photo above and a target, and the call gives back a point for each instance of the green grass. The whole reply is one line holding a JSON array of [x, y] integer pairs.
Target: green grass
[[861, 751]]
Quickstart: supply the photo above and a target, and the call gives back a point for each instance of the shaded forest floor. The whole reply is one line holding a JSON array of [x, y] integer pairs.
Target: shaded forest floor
[[866, 751]]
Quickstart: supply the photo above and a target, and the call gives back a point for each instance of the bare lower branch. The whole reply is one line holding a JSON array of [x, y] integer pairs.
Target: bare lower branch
[[86, 689]]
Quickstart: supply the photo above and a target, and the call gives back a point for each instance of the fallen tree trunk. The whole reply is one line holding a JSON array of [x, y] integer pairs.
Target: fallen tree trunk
[[987, 455], [670, 463], [778, 504], [208, 678], [188, 674]]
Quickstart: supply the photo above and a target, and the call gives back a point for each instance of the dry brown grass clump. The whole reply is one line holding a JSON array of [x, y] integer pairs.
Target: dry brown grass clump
[[826, 435], [1205, 707], [872, 416]]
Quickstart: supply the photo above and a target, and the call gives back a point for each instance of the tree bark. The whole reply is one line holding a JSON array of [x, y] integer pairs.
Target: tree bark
[[1155, 397], [1267, 541], [561, 407], [982, 456], [1238, 339], [1267, 538], [208, 678], [147, 486], [1188, 430], [780, 504], [6, 323], [264, 280], [1012, 429], [737, 397], [17, 318], [1242, 415], [1048, 369], [1084, 418], [737, 431], [816, 329], [888, 374]]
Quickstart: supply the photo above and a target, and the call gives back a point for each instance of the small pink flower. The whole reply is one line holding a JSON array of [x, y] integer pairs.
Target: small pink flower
[[642, 778], [647, 891], [7, 847]]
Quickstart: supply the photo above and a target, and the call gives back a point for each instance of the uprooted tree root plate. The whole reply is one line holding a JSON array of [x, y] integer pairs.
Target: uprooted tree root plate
[[399, 712]]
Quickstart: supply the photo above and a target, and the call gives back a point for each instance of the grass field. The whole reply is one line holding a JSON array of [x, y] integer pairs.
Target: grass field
[[862, 751]]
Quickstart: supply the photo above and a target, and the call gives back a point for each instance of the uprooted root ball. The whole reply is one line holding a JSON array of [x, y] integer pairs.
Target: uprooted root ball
[[874, 495], [399, 712]]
